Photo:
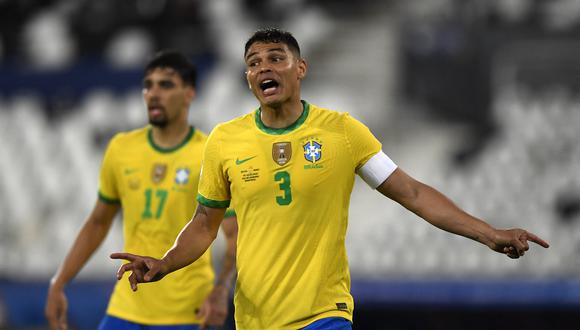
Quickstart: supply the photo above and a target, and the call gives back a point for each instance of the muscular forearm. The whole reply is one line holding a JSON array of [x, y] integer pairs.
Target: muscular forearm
[[434, 207], [441, 212], [189, 246], [191, 243], [88, 240]]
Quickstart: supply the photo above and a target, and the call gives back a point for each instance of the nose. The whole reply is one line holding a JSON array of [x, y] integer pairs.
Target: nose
[[265, 68]]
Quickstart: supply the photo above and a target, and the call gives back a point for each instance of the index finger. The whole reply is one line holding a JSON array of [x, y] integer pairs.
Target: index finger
[[533, 238], [130, 266], [202, 315], [123, 255]]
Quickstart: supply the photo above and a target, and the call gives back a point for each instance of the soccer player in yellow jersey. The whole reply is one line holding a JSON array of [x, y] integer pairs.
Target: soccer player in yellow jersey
[[152, 174], [288, 169]]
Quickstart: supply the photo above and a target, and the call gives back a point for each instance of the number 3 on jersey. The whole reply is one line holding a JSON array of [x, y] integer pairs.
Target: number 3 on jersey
[[284, 178]]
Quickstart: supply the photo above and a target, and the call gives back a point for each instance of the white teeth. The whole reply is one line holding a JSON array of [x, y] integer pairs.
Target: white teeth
[[266, 81]]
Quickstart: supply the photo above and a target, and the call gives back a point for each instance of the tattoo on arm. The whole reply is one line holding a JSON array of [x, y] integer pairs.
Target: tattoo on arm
[[201, 210]]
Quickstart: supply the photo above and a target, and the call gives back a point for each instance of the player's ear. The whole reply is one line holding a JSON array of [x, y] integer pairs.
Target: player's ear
[[302, 68], [190, 92], [248, 80]]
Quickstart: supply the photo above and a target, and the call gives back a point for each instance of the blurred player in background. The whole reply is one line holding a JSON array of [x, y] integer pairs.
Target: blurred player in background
[[152, 174], [289, 168]]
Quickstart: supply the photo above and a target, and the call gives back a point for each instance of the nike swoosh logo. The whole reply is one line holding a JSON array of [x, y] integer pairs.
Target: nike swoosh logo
[[241, 161], [129, 171]]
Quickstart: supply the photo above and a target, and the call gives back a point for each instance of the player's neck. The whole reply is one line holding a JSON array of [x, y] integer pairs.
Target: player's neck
[[281, 116], [171, 135]]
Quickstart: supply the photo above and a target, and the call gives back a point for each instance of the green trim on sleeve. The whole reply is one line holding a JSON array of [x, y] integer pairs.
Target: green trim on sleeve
[[211, 203], [280, 131], [230, 213], [108, 200]]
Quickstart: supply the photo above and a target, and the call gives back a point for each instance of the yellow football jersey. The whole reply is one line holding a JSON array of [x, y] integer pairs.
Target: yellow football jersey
[[156, 188], [291, 190]]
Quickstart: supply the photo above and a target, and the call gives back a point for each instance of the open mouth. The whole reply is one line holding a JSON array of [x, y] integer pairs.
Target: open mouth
[[155, 110], [269, 86]]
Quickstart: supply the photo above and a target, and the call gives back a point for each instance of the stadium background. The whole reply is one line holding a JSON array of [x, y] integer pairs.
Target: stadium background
[[477, 98]]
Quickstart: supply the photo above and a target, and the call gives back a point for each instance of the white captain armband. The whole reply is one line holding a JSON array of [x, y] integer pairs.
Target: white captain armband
[[377, 169]]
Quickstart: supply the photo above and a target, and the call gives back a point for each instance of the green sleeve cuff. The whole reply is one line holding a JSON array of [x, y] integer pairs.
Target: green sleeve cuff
[[108, 200], [211, 203], [230, 213]]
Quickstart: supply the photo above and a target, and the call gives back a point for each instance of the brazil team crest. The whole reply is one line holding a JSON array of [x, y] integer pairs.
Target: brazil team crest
[[281, 152], [182, 175], [312, 150]]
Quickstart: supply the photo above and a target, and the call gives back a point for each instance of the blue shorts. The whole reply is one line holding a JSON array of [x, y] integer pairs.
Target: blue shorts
[[114, 323], [330, 323]]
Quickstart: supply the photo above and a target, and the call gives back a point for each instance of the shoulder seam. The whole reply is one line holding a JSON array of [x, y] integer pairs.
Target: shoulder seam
[[344, 116]]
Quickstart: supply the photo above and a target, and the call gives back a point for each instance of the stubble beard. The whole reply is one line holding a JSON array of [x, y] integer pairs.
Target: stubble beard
[[159, 122]]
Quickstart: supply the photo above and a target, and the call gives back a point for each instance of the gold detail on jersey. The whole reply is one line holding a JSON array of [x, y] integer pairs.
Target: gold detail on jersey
[[312, 166], [134, 184], [281, 152], [250, 174], [158, 173]]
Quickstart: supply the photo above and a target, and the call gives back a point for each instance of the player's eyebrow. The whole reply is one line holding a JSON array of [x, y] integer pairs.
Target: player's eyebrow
[[279, 49], [161, 82]]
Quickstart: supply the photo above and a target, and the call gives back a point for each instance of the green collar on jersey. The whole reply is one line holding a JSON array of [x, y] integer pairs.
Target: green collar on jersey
[[172, 149], [280, 131]]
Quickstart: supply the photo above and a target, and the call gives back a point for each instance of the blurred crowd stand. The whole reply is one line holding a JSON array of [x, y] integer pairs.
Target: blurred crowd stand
[[478, 98]]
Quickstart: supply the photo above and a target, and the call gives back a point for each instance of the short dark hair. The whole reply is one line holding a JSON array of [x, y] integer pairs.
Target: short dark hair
[[273, 35], [175, 60]]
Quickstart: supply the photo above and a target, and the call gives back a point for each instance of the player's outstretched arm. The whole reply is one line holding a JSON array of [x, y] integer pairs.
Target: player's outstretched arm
[[191, 243], [91, 235], [441, 212]]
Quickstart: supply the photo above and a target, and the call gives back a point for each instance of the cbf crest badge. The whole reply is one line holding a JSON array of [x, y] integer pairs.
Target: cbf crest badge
[[182, 175], [158, 172], [312, 150], [281, 152]]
